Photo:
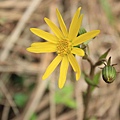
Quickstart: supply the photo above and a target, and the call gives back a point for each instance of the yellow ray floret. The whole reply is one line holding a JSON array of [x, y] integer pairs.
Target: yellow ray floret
[[45, 35], [63, 42], [42, 47], [62, 24], [52, 67], [63, 71]]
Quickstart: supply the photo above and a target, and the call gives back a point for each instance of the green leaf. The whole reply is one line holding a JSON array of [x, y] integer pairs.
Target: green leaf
[[20, 99], [66, 92], [93, 118], [33, 117], [65, 96], [90, 82], [104, 55], [81, 31], [96, 80], [107, 9], [71, 103]]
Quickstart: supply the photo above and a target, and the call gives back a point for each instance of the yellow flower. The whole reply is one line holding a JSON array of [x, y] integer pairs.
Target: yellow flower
[[62, 42]]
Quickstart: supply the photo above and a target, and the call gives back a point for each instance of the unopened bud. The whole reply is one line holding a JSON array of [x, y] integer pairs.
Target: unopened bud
[[109, 74]]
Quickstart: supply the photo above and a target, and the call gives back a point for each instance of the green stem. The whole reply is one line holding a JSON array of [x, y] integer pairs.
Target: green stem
[[88, 94]]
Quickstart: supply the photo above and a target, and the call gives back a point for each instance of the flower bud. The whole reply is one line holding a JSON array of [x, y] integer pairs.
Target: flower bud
[[81, 31], [109, 74]]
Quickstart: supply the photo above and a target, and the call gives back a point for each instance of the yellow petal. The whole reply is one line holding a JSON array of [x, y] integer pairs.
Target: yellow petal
[[74, 30], [61, 23], [74, 22], [78, 51], [54, 28], [45, 35], [74, 65], [42, 47], [52, 67], [84, 37], [63, 71]]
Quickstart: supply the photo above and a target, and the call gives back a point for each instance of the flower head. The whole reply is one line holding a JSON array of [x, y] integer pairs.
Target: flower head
[[64, 43]]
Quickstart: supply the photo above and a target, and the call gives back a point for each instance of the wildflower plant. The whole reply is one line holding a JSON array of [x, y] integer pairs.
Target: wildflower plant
[[67, 43], [63, 42]]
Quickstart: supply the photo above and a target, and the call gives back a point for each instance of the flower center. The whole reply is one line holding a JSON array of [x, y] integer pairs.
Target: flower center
[[64, 47]]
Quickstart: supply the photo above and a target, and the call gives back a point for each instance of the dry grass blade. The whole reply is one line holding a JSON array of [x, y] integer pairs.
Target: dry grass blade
[[36, 99], [10, 41], [68, 116], [5, 111], [39, 91], [8, 97], [52, 8]]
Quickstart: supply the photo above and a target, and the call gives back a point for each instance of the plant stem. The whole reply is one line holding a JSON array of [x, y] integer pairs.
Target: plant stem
[[88, 94]]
